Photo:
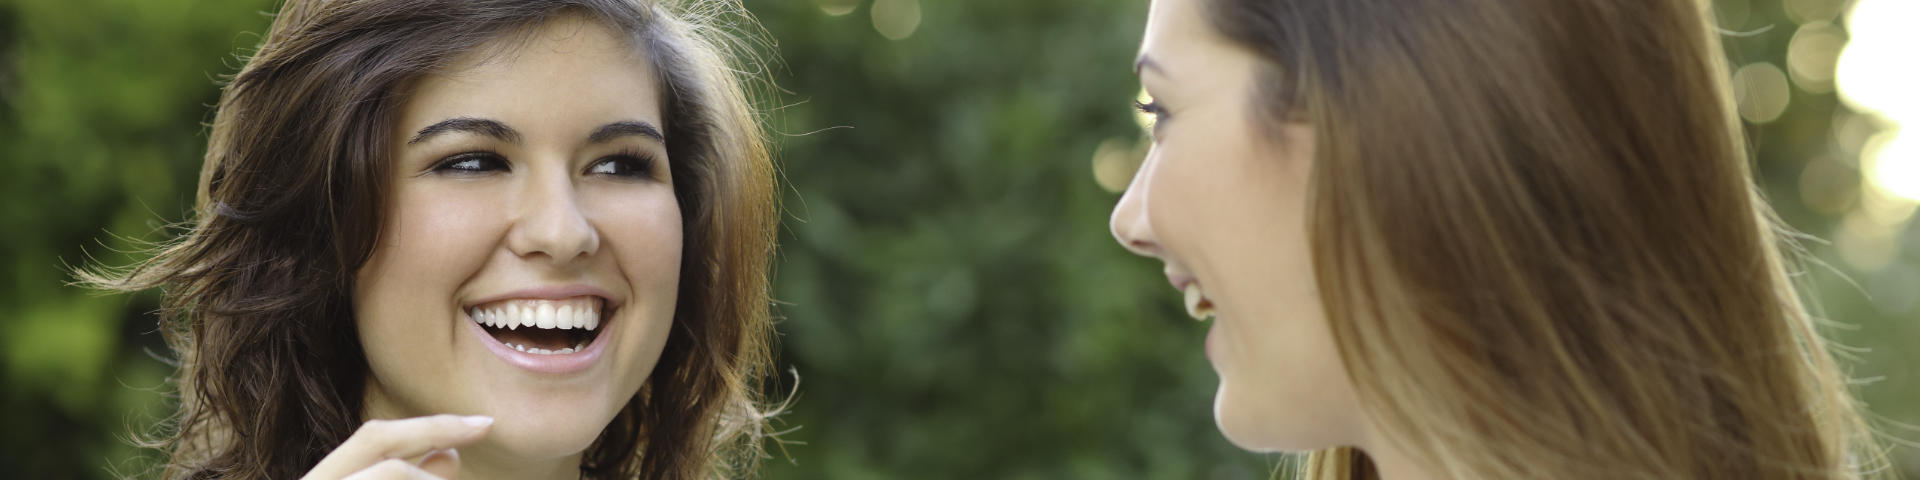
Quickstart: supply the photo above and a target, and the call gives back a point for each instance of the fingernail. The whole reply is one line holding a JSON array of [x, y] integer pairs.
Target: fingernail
[[477, 421]]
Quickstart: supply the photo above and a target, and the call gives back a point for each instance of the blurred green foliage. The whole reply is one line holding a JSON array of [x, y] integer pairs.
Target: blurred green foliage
[[103, 102], [952, 302], [955, 307]]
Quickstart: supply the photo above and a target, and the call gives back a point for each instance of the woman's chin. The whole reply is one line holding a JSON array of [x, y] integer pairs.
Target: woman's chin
[[558, 432], [1256, 426], [1237, 429]]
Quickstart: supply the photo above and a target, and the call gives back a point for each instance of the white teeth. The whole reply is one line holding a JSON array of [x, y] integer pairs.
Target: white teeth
[[579, 312], [544, 316], [1198, 306]]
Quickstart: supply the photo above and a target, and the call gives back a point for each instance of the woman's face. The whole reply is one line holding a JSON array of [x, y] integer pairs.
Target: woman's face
[[529, 261], [1222, 200]]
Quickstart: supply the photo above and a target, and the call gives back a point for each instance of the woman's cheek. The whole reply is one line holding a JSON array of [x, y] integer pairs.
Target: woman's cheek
[[434, 240]]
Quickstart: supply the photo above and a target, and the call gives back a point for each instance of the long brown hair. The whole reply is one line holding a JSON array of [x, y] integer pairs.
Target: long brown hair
[[1539, 245], [257, 300]]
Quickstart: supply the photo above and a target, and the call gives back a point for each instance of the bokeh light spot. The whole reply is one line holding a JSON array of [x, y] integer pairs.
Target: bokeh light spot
[[837, 7], [1892, 158], [1115, 161], [1876, 72], [1811, 55], [1829, 187], [1851, 131], [1807, 11], [1876, 75], [896, 19], [1761, 90]]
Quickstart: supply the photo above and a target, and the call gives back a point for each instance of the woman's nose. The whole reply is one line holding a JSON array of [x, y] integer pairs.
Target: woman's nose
[[551, 222], [1129, 224]]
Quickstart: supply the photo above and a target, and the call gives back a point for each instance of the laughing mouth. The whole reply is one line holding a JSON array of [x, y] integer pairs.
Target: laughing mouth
[[542, 327], [1198, 306]]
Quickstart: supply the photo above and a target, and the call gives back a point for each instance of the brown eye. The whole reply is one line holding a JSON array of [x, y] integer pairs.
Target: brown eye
[[471, 163], [623, 165]]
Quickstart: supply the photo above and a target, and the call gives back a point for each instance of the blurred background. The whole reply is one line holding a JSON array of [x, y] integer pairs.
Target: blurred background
[[952, 301]]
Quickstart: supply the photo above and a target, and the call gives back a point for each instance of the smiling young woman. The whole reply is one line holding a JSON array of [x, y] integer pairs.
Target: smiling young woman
[[1495, 239], [552, 217]]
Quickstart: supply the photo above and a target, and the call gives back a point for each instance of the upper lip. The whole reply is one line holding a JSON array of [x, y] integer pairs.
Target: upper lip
[[551, 292]]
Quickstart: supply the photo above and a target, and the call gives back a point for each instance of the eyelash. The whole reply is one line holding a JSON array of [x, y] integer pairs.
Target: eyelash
[[1153, 108], [636, 164], [1147, 108]]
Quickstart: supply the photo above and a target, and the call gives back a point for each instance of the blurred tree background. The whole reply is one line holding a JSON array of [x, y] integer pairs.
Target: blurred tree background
[[951, 299]]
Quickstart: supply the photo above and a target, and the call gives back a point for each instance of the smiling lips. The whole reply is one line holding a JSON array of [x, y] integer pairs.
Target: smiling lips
[[542, 326]]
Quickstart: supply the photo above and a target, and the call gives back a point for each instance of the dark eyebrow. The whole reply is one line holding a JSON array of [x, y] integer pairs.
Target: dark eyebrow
[[482, 126], [625, 128]]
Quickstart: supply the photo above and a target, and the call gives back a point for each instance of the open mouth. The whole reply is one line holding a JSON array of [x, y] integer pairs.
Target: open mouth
[[1198, 305], [543, 327]]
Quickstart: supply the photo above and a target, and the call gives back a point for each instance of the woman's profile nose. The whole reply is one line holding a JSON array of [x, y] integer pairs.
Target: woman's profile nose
[[1129, 223]]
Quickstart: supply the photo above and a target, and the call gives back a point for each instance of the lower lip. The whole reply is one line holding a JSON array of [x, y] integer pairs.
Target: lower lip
[[546, 364]]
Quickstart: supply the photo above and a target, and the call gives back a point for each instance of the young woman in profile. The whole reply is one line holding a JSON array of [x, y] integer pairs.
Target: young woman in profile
[[484, 238], [1494, 239]]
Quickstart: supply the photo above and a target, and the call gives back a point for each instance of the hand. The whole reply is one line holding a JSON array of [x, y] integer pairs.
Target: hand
[[413, 448]]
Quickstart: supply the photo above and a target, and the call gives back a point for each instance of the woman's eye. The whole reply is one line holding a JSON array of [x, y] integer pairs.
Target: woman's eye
[[623, 165], [472, 163], [1153, 108], [1150, 108]]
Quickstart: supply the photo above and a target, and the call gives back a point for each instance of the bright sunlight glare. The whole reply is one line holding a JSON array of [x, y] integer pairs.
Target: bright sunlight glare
[[1877, 75]]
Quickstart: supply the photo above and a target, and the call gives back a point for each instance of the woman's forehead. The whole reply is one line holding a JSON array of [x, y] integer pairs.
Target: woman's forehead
[[563, 73]]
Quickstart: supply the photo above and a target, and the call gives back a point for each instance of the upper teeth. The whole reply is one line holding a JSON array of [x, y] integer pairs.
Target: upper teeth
[[581, 312], [1197, 305]]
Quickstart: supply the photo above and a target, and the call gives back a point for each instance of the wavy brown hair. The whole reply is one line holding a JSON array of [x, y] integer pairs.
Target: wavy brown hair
[[1539, 244], [256, 294]]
